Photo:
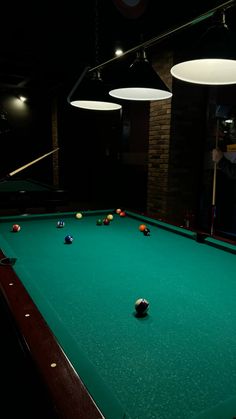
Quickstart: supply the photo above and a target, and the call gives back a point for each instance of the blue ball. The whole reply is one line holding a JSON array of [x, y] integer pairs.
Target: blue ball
[[68, 239], [60, 224]]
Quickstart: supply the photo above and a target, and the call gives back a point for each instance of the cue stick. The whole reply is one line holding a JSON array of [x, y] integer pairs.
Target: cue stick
[[213, 215], [32, 162]]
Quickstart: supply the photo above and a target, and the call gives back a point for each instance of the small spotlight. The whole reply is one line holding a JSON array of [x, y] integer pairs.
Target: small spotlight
[[118, 52], [22, 98]]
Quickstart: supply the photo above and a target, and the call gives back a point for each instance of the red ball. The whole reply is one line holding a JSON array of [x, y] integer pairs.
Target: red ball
[[106, 222], [15, 227], [122, 214]]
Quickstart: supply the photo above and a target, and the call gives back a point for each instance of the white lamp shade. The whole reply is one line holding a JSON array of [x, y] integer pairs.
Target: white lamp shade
[[91, 93], [212, 59], [140, 93], [141, 82], [95, 105], [210, 71]]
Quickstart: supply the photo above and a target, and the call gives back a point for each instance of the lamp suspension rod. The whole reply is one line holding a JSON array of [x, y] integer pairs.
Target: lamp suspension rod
[[170, 32], [86, 69]]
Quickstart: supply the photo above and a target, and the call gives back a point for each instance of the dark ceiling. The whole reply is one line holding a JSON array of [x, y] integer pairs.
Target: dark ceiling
[[43, 46]]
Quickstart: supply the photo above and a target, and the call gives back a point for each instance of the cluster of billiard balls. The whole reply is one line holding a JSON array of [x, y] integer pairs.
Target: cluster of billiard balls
[[120, 212], [106, 221]]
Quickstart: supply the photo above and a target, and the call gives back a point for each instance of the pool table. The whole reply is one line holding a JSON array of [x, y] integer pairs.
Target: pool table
[[23, 193], [74, 306]]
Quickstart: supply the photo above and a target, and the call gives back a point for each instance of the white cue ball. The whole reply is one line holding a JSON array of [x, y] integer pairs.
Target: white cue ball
[[79, 215]]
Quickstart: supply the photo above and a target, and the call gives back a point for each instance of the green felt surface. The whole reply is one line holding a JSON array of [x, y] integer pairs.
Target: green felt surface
[[177, 362], [17, 185]]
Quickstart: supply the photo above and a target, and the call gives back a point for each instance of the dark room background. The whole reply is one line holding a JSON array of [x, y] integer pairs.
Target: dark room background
[[151, 157]]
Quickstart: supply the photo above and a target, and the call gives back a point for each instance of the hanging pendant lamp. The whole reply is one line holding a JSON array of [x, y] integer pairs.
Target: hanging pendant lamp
[[213, 59], [141, 82], [90, 92]]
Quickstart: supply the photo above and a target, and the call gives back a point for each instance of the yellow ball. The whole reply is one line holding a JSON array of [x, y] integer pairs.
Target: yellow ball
[[110, 217], [79, 215]]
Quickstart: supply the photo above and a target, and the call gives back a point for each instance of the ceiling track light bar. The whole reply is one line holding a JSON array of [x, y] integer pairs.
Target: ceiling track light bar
[[137, 94], [161, 37]]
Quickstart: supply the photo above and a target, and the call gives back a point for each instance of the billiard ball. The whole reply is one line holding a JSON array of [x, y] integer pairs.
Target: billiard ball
[[106, 222], [122, 214], [15, 228], [118, 211], [142, 227], [146, 232], [141, 306], [68, 239], [99, 222], [110, 217], [60, 224], [79, 215]]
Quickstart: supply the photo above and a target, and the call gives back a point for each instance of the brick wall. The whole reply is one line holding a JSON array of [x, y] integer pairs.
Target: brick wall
[[158, 158], [176, 136], [159, 145]]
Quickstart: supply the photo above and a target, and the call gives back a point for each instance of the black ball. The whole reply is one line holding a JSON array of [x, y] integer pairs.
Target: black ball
[[141, 306], [146, 232]]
